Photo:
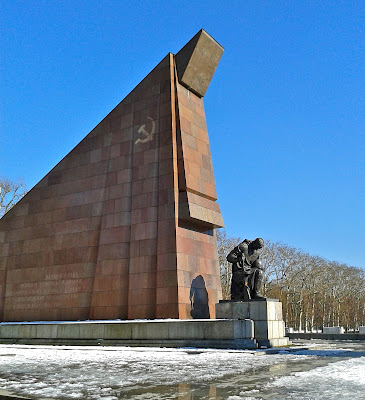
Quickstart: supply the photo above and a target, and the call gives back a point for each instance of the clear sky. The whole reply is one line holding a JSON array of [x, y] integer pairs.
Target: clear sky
[[285, 109]]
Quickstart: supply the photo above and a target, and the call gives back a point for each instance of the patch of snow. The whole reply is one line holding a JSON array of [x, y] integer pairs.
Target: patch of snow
[[340, 380], [100, 373], [88, 372]]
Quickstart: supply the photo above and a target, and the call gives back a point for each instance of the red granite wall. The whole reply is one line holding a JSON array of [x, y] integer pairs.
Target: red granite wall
[[123, 226], [140, 179], [197, 266]]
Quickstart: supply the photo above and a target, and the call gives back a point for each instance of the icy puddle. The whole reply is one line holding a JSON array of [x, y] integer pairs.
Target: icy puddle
[[314, 378], [334, 371]]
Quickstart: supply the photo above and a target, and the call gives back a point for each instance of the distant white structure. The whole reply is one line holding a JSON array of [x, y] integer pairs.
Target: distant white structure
[[362, 329], [333, 329]]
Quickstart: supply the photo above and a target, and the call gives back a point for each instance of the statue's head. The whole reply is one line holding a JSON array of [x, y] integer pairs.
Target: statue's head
[[258, 243]]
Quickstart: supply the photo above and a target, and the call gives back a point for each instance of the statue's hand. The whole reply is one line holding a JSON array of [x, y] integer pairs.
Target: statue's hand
[[232, 258]]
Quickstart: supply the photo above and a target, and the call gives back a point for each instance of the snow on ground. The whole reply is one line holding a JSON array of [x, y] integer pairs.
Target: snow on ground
[[66, 372], [339, 380], [95, 373], [350, 373]]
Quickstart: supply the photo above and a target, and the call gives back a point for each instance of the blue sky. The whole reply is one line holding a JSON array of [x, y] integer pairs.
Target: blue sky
[[285, 109]]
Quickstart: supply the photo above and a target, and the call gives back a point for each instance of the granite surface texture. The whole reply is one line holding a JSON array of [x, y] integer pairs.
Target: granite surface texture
[[124, 225]]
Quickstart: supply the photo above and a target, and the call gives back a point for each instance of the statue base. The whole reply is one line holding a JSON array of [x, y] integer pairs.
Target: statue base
[[267, 317]]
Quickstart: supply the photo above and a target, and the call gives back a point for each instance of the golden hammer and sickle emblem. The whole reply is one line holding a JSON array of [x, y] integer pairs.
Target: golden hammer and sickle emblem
[[147, 136]]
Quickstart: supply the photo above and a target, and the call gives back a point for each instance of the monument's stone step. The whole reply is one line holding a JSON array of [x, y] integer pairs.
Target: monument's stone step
[[273, 342], [267, 317], [203, 344], [236, 334]]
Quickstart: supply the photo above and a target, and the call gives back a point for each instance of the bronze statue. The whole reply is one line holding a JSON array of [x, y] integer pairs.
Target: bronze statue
[[246, 270]]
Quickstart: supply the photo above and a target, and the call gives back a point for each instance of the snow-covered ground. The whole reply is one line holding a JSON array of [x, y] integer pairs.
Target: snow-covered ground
[[333, 371]]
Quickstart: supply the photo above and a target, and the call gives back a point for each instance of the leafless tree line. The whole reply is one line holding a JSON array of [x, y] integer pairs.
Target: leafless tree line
[[315, 292]]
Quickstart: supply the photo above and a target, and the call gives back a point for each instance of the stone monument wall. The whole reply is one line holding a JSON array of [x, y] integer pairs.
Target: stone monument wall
[[123, 227]]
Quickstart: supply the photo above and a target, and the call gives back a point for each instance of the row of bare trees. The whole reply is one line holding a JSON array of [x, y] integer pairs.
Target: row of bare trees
[[315, 292]]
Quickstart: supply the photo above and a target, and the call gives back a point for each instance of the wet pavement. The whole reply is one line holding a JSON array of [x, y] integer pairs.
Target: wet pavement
[[310, 370]]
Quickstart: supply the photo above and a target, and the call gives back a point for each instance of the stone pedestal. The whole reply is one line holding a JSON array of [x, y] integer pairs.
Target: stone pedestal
[[267, 316]]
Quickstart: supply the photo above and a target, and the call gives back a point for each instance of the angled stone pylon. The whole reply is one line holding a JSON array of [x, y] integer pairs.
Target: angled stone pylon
[[123, 227]]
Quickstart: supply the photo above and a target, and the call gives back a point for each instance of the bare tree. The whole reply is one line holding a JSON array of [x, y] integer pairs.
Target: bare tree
[[10, 193], [225, 244]]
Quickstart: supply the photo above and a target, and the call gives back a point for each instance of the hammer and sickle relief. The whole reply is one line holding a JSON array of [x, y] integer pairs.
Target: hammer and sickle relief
[[147, 136]]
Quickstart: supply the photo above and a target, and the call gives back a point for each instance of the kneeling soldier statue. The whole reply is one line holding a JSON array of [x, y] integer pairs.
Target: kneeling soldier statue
[[246, 270]]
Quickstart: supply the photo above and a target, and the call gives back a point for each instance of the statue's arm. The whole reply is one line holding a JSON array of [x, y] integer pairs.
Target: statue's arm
[[234, 256]]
